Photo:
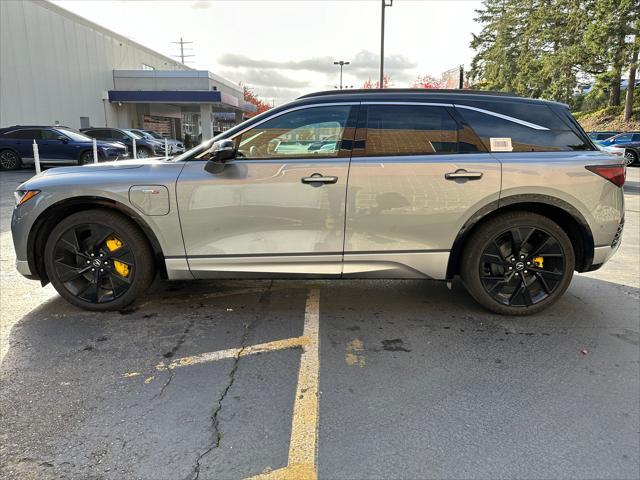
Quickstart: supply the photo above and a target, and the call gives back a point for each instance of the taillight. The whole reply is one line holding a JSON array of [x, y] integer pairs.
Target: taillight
[[614, 173]]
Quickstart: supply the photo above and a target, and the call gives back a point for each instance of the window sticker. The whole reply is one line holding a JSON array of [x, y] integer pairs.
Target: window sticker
[[501, 144]]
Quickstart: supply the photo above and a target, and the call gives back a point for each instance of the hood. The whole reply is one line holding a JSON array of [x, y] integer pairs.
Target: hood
[[105, 166]]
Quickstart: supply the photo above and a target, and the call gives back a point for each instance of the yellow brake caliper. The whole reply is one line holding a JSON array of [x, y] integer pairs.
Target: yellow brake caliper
[[538, 262], [113, 243]]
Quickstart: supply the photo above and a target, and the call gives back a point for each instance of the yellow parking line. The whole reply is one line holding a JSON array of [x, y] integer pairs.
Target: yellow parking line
[[233, 353], [304, 426]]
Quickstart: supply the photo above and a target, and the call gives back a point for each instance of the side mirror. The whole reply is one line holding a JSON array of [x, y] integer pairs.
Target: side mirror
[[63, 139], [221, 151]]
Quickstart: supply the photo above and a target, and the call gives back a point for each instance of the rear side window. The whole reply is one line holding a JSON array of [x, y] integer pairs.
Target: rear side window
[[514, 134], [409, 130], [25, 134]]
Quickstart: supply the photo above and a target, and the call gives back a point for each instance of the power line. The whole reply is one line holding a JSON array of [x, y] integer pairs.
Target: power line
[[182, 56]]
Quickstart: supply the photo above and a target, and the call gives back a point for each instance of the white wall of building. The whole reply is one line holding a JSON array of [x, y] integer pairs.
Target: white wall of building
[[55, 66]]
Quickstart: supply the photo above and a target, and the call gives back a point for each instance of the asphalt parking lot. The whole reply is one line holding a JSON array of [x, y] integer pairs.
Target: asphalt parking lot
[[339, 380]]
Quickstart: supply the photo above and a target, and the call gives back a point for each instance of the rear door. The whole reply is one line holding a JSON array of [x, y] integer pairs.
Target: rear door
[[22, 141], [277, 208], [416, 177]]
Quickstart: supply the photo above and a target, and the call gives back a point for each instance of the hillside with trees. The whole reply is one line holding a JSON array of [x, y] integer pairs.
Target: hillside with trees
[[551, 48]]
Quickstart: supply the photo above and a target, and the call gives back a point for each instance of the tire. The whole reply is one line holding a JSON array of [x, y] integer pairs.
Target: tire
[[88, 273], [86, 158], [144, 153], [631, 157], [501, 280], [9, 160]]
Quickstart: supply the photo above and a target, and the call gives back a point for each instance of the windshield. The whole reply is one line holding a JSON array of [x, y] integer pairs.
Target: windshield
[[142, 133], [132, 134], [154, 134], [75, 136]]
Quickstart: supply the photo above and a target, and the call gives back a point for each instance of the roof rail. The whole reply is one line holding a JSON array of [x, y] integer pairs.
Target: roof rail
[[391, 91]]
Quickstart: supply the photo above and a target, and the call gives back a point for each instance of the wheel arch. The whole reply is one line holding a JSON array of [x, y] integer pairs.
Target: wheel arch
[[565, 215], [50, 217]]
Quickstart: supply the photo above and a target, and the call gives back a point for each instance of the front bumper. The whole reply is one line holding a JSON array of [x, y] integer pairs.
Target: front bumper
[[22, 266]]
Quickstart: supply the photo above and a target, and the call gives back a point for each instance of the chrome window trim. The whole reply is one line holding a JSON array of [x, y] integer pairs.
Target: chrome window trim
[[504, 117], [481, 110], [428, 104]]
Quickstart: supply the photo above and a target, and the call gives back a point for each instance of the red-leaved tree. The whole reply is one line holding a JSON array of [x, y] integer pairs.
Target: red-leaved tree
[[386, 83], [251, 97], [426, 81]]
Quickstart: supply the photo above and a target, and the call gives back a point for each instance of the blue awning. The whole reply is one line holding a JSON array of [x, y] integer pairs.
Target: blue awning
[[165, 96]]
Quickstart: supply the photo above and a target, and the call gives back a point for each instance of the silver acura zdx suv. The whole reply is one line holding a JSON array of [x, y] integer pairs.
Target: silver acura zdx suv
[[507, 193]]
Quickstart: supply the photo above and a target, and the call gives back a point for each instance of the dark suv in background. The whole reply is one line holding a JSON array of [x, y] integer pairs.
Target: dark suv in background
[[175, 146], [145, 147], [56, 145]]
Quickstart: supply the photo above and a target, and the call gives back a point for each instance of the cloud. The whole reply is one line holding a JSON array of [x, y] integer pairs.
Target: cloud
[[201, 5], [362, 62], [265, 77]]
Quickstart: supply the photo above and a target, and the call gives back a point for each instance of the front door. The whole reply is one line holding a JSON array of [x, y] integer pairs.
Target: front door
[[277, 208]]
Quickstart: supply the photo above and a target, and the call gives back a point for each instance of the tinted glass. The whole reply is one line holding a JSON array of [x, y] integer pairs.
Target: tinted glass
[[76, 136], [26, 134], [409, 130], [625, 137], [311, 132], [521, 137], [118, 135], [50, 135], [98, 133], [636, 137]]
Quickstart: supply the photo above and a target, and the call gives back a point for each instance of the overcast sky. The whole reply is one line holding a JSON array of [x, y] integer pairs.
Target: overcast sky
[[283, 49]]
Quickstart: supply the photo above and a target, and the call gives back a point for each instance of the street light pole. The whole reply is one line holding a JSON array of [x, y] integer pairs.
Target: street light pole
[[385, 3], [342, 64]]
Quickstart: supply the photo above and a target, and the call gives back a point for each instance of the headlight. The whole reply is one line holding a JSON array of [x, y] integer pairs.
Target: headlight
[[23, 196]]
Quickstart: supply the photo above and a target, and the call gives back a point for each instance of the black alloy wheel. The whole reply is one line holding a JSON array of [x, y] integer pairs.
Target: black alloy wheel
[[9, 160], [517, 263], [98, 260], [522, 266]]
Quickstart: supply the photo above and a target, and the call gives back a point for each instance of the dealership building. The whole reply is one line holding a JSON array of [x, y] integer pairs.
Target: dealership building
[[57, 68]]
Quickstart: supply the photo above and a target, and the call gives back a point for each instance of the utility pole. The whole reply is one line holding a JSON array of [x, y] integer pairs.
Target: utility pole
[[182, 56], [342, 64], [461, 78], [385, 3]]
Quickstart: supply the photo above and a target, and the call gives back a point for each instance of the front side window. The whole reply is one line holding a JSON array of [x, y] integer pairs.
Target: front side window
[[50, 135], [625, 137], [118, 135], [309, 132], [409, 130]]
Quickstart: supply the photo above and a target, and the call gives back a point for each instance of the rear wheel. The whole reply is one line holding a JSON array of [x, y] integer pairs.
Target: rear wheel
[[98, 260], [9, 160], [518, 263]]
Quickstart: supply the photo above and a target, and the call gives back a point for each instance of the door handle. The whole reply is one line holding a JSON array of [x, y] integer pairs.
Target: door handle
[[319, 178], [463, 174]]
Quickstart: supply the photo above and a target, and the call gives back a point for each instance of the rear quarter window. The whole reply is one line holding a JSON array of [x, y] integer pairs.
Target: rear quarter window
[[557, 136]]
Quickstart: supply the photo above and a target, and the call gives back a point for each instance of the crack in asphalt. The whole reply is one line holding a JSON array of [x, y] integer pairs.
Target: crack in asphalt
[[171, 353], [215, 421]]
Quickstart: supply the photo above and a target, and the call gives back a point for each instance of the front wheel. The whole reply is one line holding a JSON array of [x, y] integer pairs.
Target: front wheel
[[9, 160], [86, 158], [631, 157], [518, 263], [98, 260], [143, 153]]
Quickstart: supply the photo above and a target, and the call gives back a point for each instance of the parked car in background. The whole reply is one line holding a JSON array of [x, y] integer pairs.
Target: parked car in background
[[631, 152], [56, 145], [175, 146], [507, 193], [596, 136], [621, 138], [144, 147]]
